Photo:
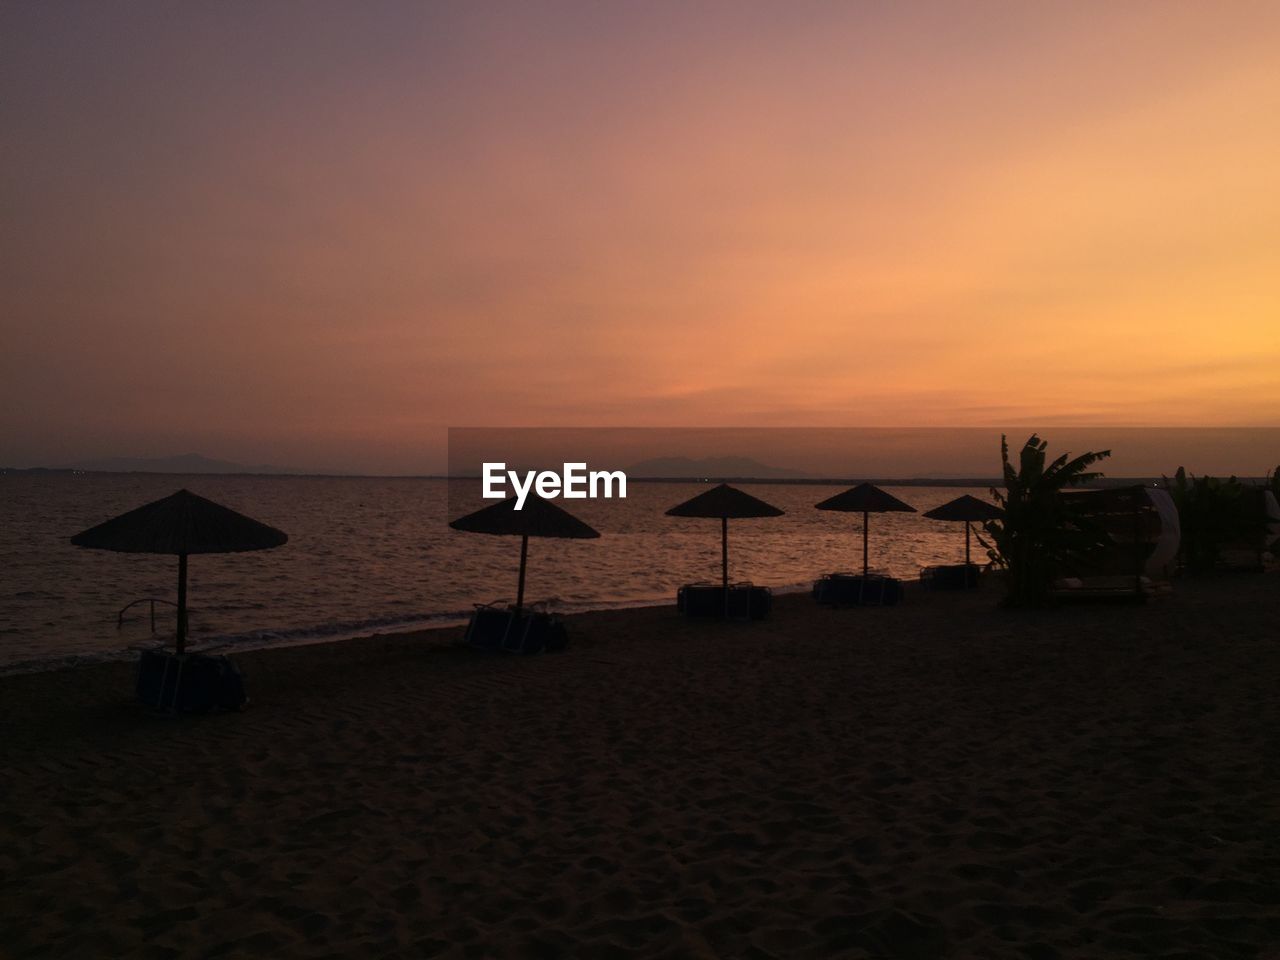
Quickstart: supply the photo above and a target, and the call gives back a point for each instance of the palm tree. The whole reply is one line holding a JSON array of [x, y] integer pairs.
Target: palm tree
[[1041, 533]]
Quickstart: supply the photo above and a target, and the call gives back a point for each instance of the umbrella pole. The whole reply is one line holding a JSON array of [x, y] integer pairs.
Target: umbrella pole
[[864, 542], [180, 638], [966, 543], [524, 554], [724, 563]]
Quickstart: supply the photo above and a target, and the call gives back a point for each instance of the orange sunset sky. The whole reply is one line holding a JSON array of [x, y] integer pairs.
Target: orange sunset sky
[[318, 234]]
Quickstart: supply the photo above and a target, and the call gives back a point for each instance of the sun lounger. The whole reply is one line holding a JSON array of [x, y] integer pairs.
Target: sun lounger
[[189, 682], [497, 629], [1242, 559], [856, 590], [1103, 589], [745, 602], [957, 576]]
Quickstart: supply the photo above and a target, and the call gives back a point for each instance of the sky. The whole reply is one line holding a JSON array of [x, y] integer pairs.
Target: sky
[[320, 234]]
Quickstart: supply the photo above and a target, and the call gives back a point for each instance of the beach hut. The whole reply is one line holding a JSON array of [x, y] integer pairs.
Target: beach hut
[[1143, 531], [724, 503], [514, 629]]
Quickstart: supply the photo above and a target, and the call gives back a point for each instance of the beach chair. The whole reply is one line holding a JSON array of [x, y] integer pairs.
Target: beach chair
[[745, 601], [1244, 559], [1103, 589], [189, 682], [857, 590], [956, 576], [497, 628]]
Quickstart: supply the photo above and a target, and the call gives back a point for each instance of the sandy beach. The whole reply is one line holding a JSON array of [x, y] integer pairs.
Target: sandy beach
[[943, 779]]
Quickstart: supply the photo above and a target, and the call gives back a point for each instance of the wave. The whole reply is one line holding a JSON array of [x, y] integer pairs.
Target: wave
[[332, 632]]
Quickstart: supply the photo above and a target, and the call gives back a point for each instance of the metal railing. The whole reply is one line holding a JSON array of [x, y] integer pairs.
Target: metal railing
[[151, 600]]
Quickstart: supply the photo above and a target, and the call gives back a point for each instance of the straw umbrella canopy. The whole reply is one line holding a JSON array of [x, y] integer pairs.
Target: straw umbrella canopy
[[865, 498], [968, 510], [724, 502], [538, 518], [182, 523]]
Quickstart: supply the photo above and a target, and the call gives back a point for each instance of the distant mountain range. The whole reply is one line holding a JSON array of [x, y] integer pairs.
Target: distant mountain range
[[656, 468], [186, 463], [711, 468]]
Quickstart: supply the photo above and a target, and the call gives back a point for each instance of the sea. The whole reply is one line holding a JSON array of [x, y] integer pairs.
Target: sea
[[376, 555]]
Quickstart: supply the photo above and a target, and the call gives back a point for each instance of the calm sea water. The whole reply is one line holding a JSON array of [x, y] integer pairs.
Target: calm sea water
[[374, 554]]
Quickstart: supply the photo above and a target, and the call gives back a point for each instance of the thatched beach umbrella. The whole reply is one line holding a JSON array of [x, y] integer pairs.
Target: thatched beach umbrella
[[968, 510], [724, 502], [538, 518], [182, 523], [865, 498]]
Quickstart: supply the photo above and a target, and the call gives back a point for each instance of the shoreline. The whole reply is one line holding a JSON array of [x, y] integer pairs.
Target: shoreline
[[236, 644]]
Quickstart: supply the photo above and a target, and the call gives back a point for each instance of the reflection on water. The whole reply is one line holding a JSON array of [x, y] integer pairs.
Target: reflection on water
[[371, 553]]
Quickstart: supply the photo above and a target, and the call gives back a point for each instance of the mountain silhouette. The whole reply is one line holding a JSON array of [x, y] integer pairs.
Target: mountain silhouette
[[185, 463], [711, 468]]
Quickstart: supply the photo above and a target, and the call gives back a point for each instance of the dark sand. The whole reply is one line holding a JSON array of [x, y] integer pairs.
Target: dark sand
[[943, 779]]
